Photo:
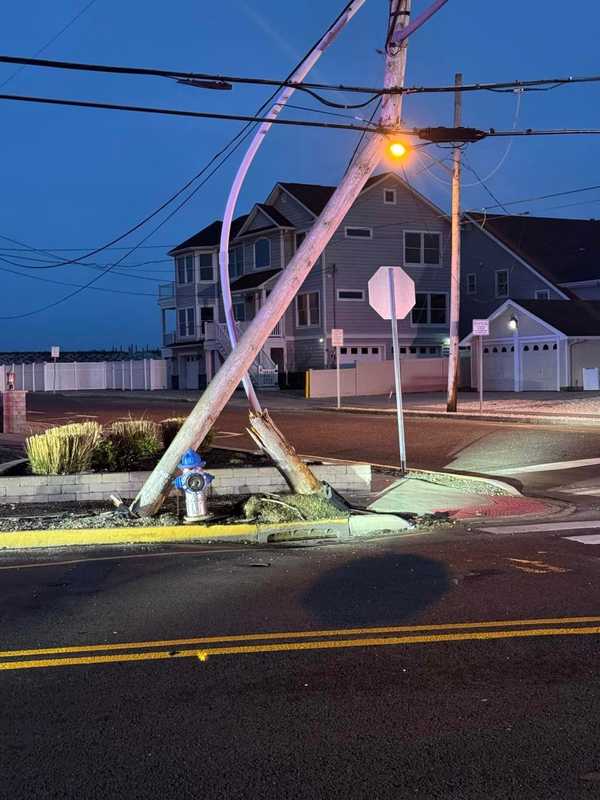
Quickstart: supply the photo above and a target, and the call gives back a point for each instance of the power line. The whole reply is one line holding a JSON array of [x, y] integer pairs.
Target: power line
[[65, 283], [536, 83], [50, 41], [545, 196], [176, 112]]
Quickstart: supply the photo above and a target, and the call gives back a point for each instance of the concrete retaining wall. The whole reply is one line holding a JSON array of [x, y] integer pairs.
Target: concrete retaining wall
[[89, 488]]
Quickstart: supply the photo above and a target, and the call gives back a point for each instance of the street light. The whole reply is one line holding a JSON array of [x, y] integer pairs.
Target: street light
[[513, 323], [398, 149]]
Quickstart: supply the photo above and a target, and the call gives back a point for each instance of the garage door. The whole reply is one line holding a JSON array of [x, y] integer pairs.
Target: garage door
[[538, 363], [350, 355], [498, 368]]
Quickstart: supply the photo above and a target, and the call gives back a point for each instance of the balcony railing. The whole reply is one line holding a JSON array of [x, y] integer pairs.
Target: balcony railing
[[169, 339]]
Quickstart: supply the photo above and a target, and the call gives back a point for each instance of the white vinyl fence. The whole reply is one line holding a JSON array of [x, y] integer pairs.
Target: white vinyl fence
[[147, 374]]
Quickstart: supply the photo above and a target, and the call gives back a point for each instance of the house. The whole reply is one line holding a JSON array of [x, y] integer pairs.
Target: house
[[388, 224], [537, 281]]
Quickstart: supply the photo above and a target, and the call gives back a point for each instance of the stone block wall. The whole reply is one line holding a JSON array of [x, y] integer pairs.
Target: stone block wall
[[351, 478]]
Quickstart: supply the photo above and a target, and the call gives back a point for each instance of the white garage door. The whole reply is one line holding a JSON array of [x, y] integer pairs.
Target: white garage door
[[352, 354], [498, 368], [538, 363]]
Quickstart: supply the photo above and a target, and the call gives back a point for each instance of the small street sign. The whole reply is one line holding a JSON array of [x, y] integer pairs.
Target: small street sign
[[481, 327], [337, 337], [55, 352], [379, 292]]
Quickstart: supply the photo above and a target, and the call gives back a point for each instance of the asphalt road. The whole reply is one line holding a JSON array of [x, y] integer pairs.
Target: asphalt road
[[496, 710], [463, 445]]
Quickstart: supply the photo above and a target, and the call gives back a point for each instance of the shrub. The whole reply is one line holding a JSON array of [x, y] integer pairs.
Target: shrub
[[128, 444], [65, 450], [170, 428]]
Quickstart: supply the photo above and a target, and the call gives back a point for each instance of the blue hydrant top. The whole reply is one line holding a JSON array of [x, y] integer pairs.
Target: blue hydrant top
[[191, 460]]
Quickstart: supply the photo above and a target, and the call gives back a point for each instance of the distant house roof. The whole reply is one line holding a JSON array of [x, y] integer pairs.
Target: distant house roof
[[254, 280], [210, 236], [315, 197], [563, 250], [570, 317]]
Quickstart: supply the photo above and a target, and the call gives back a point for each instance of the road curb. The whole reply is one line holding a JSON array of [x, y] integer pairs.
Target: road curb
[[524, 419]]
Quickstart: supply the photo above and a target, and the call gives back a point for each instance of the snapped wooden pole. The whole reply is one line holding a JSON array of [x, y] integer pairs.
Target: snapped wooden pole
[[217, 394]]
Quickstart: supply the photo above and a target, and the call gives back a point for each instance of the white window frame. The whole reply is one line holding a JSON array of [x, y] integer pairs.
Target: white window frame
[[474, 289], [358, 228], [422, 263], [187, 334], [234, 273], [430, 324], [496, 275], [200, 268], [360, 299], [268, 241], [309, 323], [185, 269], [390, 202], [545, 292]]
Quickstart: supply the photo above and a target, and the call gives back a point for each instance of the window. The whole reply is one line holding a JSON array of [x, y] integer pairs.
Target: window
[[300, 237], [207, 313], [542, 294], [187, 321], [307, 309], [185, 269], [471, 283], [354, 351], [236, 262], [359, 233], [389, 197], [262, 253], [502, 283], [355, 295], [207, 272], [343, 351], [375, 350], [364, 351], [239, 312], [422, 248], [430, 309]]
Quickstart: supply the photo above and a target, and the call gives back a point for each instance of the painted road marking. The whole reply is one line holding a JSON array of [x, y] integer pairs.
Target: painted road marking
[[549, 467], [267, 642], [204, 655], [536, 567], [593, 538], [544, 527]]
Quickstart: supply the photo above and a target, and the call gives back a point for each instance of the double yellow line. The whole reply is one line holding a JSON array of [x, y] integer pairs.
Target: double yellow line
[[204, 647]]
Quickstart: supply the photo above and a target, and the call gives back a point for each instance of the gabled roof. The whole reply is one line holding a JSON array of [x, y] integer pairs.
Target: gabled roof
[[569, 317], [276, 215], [254, 280], [563, 250], [315, 197], [210, 236]]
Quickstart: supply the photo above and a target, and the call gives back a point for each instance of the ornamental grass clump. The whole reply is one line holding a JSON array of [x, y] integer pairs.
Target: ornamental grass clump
[[128, 444], [65, 450], [171, 427]]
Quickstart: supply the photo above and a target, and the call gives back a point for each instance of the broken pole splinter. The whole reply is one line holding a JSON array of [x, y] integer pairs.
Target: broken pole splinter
[[225, 382]]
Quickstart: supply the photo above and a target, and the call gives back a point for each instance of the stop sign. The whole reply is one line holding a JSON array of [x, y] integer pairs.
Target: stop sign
[[379, 292]]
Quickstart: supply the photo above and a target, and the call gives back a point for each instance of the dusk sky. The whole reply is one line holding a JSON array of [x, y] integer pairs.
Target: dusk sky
[[75, 178]]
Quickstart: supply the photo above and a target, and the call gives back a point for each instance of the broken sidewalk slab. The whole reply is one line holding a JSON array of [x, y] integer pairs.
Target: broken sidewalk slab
[[372, 524], [420, 497]]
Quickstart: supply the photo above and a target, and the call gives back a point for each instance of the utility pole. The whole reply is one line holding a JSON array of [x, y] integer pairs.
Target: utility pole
[[454, 357], [217, 394]]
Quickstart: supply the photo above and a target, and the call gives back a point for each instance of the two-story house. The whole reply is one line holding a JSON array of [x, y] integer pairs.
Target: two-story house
[[538, 282], [388, 224]]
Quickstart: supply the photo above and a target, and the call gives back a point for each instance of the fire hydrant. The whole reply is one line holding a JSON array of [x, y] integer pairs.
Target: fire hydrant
[[194, 482]]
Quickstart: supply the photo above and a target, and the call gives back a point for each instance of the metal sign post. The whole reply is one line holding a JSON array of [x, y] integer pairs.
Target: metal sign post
[[397, 376], [337, 341], [481, 328], [55, 354], [392, 295]]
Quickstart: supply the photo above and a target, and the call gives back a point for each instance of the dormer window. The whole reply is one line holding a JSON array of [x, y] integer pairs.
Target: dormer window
[[262, 253]]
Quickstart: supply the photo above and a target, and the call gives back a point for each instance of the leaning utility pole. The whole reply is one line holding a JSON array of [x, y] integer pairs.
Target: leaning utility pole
[[454, 357], [217, 394]]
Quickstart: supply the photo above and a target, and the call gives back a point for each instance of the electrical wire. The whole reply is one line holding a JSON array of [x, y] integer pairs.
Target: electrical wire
[[50, 41], [547, 196], [65, 283]]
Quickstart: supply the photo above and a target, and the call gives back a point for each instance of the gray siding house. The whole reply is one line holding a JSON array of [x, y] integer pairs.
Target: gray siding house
[[389, 224]]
